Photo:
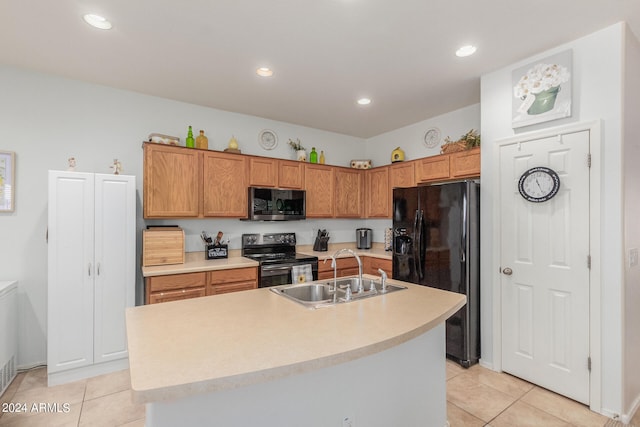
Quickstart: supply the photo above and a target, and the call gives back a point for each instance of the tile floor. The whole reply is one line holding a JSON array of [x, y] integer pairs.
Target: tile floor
[[480, 397], [475, 397], [99, 401]]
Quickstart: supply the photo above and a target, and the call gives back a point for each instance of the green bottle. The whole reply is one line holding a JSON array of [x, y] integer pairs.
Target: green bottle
[[190, 141], [313, 157]]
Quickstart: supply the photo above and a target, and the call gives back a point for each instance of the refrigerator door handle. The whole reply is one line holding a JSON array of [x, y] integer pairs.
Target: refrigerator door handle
[[420, 244]]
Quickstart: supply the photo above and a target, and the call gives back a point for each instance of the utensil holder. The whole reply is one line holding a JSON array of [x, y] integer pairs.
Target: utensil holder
[[321, 244], [216, 251]]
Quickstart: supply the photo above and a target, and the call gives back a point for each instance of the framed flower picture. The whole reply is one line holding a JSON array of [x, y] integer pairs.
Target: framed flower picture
[[542, 90], [7, 181]]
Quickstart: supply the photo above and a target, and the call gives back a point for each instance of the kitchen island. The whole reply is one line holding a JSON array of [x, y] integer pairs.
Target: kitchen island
[[256, 358]]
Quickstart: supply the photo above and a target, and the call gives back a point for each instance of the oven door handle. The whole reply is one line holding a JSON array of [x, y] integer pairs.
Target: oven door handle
[[270, 271]]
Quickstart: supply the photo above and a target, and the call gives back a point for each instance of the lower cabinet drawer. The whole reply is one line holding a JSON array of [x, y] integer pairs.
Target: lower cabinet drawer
[[175, 295], [175, 281], [230, 287]]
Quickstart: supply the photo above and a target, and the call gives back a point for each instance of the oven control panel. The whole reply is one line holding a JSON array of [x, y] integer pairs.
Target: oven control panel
[[268, 239]]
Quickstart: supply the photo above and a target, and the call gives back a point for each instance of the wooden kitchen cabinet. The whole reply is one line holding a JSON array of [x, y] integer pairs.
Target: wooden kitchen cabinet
[[263, 172], [291, 174], [434, 168], [372, 264], [319, 184], [232, 280], [175, 287], [172, 182], [378, 195], [348, 193], [402, 175], [465, 163], [345, 267], [224, 185], [274, 173]]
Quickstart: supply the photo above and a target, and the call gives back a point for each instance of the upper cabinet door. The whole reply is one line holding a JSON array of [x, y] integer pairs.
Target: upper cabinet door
[[378, 196], [291, 174], [172, 182], [348, 193], [465, 163], [320, 190], [225, 185], [402, 175], [263, 172], [435, 168]]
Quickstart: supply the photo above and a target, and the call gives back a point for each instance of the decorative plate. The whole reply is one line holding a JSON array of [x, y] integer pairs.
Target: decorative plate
[[432, 137], [268, 139]]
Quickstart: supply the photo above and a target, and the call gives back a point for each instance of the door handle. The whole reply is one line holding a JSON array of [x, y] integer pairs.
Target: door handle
[[507, 271]]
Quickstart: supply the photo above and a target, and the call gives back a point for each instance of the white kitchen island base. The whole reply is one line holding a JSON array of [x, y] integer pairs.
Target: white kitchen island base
[[404, 386]]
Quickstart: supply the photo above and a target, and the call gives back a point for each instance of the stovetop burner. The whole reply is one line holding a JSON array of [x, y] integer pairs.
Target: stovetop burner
[[273, 248]]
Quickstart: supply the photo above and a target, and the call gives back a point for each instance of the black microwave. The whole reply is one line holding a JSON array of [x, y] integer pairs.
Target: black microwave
[[276, 204]]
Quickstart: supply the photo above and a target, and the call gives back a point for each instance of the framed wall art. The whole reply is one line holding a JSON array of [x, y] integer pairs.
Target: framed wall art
[[7, 181], [542, 90]]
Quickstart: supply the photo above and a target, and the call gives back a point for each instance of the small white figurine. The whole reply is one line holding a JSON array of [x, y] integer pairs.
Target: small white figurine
[[72, 164], [116, 166]]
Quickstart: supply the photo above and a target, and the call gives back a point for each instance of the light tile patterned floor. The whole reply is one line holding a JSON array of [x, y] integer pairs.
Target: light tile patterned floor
[[480, 397], [476, 397], [100, 401]]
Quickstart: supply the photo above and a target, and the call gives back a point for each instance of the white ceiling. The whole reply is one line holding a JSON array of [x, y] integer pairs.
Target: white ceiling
[[325, 53]]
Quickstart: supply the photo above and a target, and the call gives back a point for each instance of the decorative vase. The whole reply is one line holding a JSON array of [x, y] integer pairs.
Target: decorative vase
[[301, 155], [544, 102]]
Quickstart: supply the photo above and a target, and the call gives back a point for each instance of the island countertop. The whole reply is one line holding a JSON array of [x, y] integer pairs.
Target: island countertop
[[182, 348]]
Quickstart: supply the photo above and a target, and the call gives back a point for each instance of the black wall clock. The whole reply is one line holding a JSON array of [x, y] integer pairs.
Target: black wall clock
[[539, 184]]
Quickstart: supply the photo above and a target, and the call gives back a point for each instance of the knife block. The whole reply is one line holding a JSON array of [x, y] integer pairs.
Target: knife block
[[321, 244]]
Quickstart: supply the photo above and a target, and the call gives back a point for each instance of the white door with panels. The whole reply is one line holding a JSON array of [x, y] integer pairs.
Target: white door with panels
[[544, 201], [91, 269]]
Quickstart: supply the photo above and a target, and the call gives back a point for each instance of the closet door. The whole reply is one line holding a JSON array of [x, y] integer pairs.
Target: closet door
[[70, 271], [115, 213]]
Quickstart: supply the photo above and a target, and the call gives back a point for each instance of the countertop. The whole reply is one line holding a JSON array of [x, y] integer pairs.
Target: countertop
[[195, 261], [182, 348]]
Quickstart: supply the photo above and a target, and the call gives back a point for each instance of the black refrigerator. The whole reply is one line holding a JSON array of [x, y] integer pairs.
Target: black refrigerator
[[436, 243]]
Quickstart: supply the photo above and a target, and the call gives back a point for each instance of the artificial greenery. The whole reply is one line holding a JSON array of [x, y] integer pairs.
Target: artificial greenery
[[296, 145], [470, 139]]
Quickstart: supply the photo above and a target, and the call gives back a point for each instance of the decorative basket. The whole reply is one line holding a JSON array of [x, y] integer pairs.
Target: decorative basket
[[453, 147]]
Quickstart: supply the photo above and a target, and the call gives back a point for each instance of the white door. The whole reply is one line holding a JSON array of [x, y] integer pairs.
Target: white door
[[70, 271], [115, 213], [545, 266]]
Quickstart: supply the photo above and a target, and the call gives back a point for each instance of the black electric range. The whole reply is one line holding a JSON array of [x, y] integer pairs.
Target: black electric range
[[276, 253]]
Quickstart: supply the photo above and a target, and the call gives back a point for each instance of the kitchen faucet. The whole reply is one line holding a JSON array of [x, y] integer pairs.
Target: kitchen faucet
[[334, 265]]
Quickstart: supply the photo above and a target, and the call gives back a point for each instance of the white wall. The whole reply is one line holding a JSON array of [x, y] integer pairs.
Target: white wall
[[631, 159], [46, 119], [411, 138], [597, 86]]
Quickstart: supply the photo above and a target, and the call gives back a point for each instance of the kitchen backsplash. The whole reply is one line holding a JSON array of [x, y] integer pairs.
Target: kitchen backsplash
[[340, 230]]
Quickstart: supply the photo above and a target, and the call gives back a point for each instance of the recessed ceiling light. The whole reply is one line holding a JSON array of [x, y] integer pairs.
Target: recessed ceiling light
[[466, 50], [264, 72], [364, 101], [97, 21]]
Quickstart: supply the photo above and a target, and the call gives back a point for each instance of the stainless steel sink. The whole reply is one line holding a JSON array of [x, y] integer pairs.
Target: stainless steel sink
[[309, 292], [320, 294]]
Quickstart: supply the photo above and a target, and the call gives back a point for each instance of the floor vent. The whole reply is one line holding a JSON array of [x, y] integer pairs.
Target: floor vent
[[7, 374], [8, 333]]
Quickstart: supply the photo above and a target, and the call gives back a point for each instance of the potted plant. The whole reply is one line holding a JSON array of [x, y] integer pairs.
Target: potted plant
[[467, 141], [301, 152]]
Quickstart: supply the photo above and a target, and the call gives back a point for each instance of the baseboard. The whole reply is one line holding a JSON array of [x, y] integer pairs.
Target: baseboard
[[626, 418], [76, 374]]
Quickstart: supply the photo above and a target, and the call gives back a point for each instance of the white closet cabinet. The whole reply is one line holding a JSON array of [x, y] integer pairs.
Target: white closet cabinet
[[91, 273]]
